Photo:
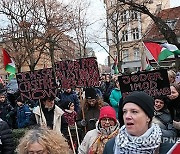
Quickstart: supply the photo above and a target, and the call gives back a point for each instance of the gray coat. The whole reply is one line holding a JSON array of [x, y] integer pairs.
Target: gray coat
[[164, 120]]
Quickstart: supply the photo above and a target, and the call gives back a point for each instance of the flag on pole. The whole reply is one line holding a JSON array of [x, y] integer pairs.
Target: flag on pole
[[115, 67], [161, 51], [9, 64], [146, 65]]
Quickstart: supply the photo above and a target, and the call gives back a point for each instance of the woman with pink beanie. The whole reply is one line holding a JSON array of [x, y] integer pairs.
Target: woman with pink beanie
[[106, 128]]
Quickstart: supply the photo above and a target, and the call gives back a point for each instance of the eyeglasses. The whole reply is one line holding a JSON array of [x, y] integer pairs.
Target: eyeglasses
[[105, 120]]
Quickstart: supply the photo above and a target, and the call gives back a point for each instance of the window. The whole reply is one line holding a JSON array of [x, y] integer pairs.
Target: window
[[135, 33], [136, 54], [125, 55], [133, 15], [124, 35], [123, 16]]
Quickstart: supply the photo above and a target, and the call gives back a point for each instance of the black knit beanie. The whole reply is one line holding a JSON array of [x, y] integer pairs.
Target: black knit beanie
[[143, 100], [90, 93]]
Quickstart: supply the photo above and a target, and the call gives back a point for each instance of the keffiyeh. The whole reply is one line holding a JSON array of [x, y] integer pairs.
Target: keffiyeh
[[144, 144]]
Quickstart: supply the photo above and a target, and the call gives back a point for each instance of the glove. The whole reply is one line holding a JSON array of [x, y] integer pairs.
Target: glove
[[83, 123], [176, 124]]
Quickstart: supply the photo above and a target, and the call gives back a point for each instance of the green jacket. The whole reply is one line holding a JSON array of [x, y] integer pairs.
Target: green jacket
[[115, 99]]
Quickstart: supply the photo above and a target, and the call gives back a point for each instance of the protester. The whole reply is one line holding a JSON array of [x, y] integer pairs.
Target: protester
[[174, 105], [6, 110], [106, 128], [47, 114], [71, 116], [23, 114], [116, 97], [69, 95], [138, 135], [163, 118], [106, 88], [42, 141], [171, 76], [89, 114], [6, 138]]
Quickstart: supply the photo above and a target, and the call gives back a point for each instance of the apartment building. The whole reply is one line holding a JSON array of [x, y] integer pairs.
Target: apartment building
[[126, 29], [172, 19]]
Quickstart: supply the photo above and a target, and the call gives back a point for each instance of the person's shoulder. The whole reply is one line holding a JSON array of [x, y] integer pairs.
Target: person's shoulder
[[92, 133], [111, 142], [3, 125], [108, 149], [59, 110]]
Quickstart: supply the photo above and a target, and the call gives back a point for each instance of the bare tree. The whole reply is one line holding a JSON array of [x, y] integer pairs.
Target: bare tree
[[35, 27], [22, 32], [165, 30], [118, 19], [80, 24]]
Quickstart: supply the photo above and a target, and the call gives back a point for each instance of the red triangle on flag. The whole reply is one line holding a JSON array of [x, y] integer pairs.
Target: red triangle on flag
[[6, 58], [175, 149]]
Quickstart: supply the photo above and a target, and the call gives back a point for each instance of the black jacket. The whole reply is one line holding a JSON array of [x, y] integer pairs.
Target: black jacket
[[6, 139]]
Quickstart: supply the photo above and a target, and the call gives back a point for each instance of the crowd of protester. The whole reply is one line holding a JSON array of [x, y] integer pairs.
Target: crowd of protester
[[92, 120]]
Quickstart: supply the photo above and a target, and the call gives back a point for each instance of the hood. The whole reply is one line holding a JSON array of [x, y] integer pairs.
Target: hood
[[103, 131]]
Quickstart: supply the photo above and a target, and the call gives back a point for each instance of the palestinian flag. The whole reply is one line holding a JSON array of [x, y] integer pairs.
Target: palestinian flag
[[9, 64], [115, 67], [161, 51]]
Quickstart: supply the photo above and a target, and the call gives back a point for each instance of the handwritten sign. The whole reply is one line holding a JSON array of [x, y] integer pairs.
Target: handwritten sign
[[78, 73], [154, 83], [37, 84]]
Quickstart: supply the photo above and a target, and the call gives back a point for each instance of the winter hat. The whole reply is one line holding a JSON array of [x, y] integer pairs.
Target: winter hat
[[107, 112], [19, 100], [90, 93], [143, 100], [67, 104]]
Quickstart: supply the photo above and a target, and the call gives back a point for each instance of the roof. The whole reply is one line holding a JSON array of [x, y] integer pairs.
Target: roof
[[171, 16]]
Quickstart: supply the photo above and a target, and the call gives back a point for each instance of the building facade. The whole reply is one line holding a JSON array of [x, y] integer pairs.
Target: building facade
[[126, 29]]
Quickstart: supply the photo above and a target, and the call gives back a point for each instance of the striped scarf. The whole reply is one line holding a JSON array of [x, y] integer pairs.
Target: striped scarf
[[144, 144]]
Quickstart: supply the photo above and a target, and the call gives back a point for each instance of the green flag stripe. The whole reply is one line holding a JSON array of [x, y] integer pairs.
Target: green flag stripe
[[164, 54], [10, 69], [176, 52]]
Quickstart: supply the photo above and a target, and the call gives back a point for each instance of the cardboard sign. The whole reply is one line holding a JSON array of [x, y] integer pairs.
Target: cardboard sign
[[154, 83], [78, 73], [37, 84]]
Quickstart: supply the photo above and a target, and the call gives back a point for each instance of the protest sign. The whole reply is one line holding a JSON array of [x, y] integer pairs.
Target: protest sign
[[154, 83], [38, 84], [77, 73]]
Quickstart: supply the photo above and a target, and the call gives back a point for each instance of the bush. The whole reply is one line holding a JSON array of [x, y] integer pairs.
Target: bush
[[17, 134]]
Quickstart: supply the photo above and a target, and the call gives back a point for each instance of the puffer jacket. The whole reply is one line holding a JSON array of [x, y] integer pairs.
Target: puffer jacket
[[115, 99], [23, 116], [6, 139]]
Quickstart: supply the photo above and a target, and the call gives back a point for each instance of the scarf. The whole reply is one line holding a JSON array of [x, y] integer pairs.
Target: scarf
[[144, 144], [105, 135]]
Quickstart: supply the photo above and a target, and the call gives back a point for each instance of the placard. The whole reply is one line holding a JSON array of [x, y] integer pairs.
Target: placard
[[77, 73], [37, 84], [154, 83]]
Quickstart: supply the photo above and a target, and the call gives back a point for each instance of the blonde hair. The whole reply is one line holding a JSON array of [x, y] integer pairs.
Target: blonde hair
[[53, 141]]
